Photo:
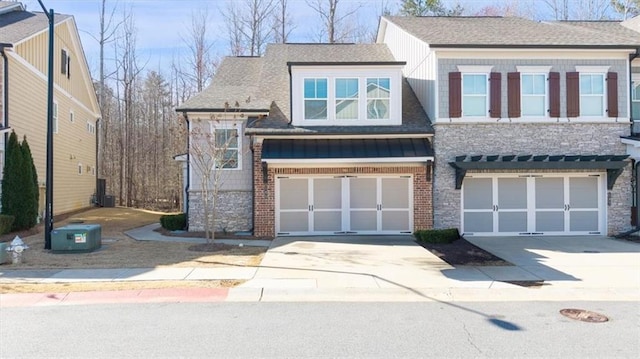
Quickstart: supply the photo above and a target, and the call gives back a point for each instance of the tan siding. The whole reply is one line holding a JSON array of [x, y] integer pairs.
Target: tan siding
[[72, 143]]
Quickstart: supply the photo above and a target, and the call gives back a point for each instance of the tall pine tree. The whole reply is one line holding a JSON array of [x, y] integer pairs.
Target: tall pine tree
[[18, 193], [31, 194]]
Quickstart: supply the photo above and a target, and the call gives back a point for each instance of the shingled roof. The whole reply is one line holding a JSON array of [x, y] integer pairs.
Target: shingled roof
[[483, 31], [263, 84], [16, 24]]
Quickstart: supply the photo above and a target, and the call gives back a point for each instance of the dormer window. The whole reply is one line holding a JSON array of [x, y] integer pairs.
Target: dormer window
[[346, 96], [315, 99], [378, 95]]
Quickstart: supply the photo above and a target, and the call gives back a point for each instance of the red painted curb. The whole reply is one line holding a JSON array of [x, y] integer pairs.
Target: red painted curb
[[168, 295]]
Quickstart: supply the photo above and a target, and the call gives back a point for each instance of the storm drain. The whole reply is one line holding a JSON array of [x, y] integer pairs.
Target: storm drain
[[584, 315]]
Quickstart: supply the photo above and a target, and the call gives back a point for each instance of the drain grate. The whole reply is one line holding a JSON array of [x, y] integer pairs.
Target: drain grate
[[584, 315]]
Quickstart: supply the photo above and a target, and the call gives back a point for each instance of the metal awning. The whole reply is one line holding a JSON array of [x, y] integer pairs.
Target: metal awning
[[347, 150], [613, 164]]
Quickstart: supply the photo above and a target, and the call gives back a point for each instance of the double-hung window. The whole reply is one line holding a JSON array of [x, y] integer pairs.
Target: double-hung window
[[226, 147], [347, 99], [635, 99], [315, 98], [592, 96], [378, 95], [475, 95], [534, 94]]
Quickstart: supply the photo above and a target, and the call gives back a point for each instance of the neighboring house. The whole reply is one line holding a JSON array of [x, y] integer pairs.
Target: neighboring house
[[528, 117], [23, 85], [331, 140]]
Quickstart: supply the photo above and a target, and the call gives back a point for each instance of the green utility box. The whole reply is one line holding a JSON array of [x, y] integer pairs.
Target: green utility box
[[76, 238]]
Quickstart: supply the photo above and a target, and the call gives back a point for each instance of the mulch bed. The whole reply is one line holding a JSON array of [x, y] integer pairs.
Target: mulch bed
[[463, 253]]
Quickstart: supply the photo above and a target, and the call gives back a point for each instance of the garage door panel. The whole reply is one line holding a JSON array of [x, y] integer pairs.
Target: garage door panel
[[478, 222], [327, 193], [549, 193], [395, 193], [583, 192], [364, 220], [362, 192], [552, 221], [327, 221], [293, 193], [512, 193], [395, 221], [586, 221], [478, 193], [294, 222], [512, 222]]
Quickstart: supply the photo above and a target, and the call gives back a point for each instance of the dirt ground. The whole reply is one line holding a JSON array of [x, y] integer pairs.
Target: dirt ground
[[120, 251]]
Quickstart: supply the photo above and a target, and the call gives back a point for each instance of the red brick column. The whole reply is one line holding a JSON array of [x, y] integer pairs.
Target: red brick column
[[423, 198], [264, 220]]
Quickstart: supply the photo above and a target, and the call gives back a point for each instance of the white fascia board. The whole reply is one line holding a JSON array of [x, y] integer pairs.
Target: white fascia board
[[371, 160], [529, 54], [533, 69], [341, 136]]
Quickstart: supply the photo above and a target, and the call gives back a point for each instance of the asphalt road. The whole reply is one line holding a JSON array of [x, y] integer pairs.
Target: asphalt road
[[320, 330]]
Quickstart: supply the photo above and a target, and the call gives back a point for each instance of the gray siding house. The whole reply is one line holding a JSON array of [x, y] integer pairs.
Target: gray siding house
[[329, 139], [528, 120]]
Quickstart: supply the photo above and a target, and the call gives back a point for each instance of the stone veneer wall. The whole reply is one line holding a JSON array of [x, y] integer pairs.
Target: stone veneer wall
[[264, 215], [453, 140], [234, 211]]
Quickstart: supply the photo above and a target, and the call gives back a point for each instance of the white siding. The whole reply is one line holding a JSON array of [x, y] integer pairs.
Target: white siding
[[421, 67]]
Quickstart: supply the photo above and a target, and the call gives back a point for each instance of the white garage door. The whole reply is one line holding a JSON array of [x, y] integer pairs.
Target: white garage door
[[546, 204], [344, 205]]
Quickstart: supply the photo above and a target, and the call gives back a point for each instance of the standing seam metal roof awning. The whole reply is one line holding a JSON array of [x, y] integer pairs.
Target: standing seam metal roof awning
[[613, 164], [342, 150]]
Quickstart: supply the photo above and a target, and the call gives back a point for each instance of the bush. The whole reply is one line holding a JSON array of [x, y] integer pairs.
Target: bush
[[437, 235], [173, 222], [5, 223]]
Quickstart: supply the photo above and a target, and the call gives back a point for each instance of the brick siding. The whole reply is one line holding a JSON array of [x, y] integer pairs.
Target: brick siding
[[264, 200]]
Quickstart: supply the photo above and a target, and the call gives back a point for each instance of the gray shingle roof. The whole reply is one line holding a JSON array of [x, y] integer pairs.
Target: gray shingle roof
[[18, 25], [513, 32], [263, 84]]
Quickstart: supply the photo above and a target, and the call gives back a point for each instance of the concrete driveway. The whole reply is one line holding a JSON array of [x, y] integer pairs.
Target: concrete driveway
[[566, 262], [398, 262]]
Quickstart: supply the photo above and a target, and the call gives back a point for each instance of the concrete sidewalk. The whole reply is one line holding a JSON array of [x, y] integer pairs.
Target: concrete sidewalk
[[389, 268]]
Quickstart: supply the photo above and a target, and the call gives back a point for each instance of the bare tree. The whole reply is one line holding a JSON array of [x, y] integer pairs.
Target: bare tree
[[592, 9], [201, 67], [627, 8], [282, 22], [336, 28], [248, 27], [559, 8], [428, 7], [212, 145]]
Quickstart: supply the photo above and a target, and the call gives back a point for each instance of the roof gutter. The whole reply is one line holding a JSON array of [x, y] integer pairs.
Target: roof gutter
[[533, 46], [5, 91]]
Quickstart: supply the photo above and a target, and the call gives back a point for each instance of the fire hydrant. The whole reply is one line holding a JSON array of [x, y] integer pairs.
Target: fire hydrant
[[16, 248]]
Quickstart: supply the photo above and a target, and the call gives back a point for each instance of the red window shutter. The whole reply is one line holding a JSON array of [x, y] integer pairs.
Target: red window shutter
[[495, 95], [455, 94], [554, 94], [612, 94], [513, 89], [573, 94]]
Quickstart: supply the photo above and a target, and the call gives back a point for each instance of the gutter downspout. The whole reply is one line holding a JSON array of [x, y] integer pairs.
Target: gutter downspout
[[291, 94], [188, 179], [97, 159], [5, 91], [634, 165]]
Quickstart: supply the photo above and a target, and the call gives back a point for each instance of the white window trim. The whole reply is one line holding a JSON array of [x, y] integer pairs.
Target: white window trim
[[362, 73], [481, 69], [367, 98], [593, 69], [327, 99], [487, 95], [545, 72], [54, 114], [232, 125], [604, 93], [534, 69], [335, 98]]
